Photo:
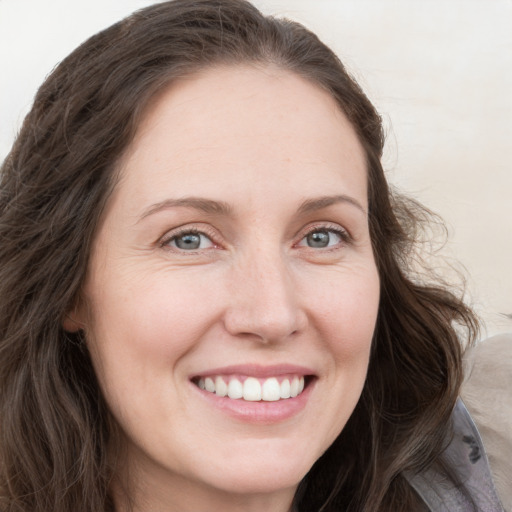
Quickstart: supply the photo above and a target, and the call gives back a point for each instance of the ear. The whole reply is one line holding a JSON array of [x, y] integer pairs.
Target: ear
[[73, 320]]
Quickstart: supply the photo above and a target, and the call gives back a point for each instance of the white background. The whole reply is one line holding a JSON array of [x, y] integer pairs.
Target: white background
[[439, 71]]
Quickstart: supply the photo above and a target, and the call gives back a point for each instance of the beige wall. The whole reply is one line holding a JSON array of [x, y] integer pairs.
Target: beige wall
[[440, 72]]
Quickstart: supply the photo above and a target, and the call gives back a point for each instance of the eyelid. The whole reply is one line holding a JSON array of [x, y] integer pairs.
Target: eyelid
[[343, 233], [202, 229]]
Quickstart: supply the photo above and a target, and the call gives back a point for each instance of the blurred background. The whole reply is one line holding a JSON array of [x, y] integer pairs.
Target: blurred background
[[439, 71]]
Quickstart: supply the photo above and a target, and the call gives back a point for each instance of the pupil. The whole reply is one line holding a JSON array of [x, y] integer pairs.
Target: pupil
[[189, 241], [318, 239]]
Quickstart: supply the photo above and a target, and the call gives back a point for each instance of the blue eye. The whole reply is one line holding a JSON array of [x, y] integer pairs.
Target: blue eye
[[190, 241], [321, 238]]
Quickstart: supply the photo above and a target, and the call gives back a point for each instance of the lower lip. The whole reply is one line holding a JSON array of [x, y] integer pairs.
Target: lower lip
[[259, 412]]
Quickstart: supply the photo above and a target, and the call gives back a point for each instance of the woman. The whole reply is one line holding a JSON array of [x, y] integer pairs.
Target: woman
[[207, 293]]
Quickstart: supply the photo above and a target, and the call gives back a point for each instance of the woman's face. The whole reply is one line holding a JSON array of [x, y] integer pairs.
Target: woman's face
[[234, 256]]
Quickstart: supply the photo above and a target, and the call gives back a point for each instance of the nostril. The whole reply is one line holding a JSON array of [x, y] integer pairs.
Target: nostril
[[270, 325]]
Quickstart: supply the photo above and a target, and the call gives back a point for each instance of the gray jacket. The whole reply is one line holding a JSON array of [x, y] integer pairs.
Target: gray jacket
[[464, 460]]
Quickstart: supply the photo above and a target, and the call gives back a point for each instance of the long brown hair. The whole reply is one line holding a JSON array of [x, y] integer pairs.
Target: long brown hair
[[54, 424]]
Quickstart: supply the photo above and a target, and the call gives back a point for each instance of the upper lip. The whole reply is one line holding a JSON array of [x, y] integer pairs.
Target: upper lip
[[256, 370]]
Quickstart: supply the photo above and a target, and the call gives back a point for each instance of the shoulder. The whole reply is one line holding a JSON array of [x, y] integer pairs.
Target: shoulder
[[487, 393]]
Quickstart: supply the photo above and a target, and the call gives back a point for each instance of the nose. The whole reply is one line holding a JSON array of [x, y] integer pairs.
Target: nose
[[264, 303]]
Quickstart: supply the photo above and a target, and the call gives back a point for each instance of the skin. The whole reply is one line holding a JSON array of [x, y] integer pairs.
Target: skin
[[263, 141]]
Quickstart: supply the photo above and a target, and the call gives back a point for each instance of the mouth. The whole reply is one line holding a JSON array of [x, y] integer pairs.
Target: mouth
[[256, 394], [254, 389]]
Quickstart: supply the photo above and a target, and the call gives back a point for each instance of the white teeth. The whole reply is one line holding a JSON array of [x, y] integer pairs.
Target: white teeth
[[294, 387], [209, 385], [235, 389], [253, 389], [301, 385], [271, 391], [285, 389], [221, 388]]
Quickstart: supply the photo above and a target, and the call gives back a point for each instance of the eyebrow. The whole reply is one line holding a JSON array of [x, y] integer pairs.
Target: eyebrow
[[311, 205], [198, 203], [221, 208]]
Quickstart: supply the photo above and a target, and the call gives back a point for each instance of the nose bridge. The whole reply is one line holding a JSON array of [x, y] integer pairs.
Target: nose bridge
[[263, 297]]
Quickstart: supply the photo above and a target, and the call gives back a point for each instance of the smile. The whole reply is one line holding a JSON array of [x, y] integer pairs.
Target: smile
[[252, 389]]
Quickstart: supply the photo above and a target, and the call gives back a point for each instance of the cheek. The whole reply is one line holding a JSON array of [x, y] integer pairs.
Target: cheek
[[347, 306], [344, 309], [140, 329], [152, 310]]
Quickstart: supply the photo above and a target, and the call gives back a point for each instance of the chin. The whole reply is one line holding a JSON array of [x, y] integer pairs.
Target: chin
[[248, 482], [255, 475]]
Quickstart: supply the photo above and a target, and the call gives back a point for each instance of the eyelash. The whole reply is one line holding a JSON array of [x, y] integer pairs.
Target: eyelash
[[344, 236], [167, 239]]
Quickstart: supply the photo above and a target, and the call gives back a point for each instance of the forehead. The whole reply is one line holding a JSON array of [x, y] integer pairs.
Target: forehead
[[240, 123]]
